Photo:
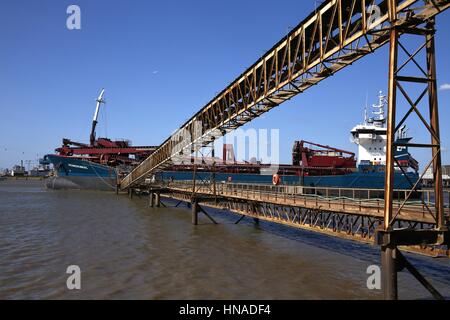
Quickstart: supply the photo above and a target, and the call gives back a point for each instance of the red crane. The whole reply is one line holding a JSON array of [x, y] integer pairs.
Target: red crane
[[103, 150], [321, 157]]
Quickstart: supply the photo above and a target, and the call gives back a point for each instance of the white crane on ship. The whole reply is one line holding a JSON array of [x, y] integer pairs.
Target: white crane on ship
[[99, 100]]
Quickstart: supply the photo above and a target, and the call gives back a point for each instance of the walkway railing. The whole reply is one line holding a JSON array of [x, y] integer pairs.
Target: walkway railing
[[351, 200]]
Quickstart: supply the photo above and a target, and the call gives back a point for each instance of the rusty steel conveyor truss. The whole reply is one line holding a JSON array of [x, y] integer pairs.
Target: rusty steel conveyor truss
[[335, 36]]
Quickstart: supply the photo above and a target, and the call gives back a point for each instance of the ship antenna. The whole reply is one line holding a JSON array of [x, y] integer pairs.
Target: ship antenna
[[380, 107], [365, 115], [382, 104], [365, 108]]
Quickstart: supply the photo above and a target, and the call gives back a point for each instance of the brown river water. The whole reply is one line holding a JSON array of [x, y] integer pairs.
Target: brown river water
[[126, 250]]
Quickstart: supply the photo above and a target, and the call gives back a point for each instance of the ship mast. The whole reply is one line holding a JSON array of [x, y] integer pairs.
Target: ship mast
[[380, 120], [99, 100]]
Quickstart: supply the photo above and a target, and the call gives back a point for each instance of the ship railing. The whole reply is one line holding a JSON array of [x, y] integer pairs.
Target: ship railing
[[327, 198]]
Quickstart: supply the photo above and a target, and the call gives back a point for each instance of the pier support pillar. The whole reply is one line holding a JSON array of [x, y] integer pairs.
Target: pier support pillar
[[389, 270], [195, 209], [158, 199], [151, 198], [130, 193]]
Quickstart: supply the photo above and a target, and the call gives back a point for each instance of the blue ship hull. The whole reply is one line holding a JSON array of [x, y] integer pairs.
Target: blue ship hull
[[363, 180], [74, 173]]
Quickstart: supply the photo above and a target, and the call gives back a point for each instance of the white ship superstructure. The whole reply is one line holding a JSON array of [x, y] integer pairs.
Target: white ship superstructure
[[371, 135]]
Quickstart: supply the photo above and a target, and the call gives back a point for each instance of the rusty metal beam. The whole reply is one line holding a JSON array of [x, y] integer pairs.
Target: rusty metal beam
[[389, 237], [434, 124]]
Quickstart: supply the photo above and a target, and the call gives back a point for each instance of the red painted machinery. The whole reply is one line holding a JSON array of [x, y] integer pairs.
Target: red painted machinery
[[103, 150], [317, 159], [106, 151]]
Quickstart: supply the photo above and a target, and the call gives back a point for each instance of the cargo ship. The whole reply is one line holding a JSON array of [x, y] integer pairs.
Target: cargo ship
[[94, 166]]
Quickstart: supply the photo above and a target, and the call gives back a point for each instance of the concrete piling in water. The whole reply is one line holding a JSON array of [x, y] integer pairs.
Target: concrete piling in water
[[389, 268], [151, 199], [195, 210], [158, 199]]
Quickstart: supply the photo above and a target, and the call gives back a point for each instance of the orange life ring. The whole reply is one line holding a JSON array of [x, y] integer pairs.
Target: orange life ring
[[276, 180]]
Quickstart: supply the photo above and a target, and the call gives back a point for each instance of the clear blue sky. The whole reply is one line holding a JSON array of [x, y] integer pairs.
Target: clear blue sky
[[160, 61]]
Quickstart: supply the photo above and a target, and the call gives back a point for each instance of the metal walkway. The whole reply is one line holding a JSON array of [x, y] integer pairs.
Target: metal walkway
[[353, 214], [364, 202]]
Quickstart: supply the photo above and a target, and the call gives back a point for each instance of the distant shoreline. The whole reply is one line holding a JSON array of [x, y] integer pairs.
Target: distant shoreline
[[22, 178]]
